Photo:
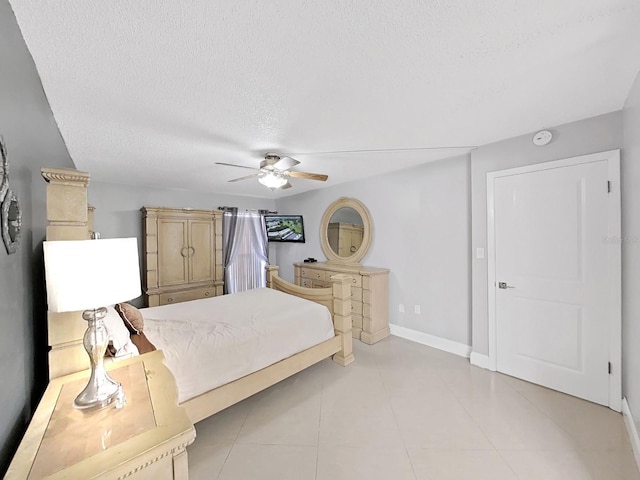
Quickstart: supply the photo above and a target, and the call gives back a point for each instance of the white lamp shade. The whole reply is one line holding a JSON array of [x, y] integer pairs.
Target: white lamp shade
[[88, 274]]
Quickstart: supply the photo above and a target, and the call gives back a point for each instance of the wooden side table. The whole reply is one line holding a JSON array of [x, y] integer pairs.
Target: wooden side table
[[147, 438]]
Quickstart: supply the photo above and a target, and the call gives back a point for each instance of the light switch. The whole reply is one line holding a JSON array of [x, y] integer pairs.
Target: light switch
[[479, 252], [401, 308], [417, 309]]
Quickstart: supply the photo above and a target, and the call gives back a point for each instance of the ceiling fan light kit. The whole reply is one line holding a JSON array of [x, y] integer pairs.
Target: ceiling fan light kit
[[274, 172], [272, 180]]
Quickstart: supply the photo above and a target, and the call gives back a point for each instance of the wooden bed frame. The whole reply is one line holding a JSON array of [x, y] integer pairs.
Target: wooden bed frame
[[70, 218]]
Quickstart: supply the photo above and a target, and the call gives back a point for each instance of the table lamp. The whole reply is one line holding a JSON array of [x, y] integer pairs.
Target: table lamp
[[90, 275]]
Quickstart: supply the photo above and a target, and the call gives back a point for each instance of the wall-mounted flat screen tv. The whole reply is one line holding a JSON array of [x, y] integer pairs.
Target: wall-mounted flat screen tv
[[284, 228]]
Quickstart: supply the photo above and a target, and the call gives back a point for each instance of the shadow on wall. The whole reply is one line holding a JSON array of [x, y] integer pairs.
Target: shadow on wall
[[13, 439], [39, 329]]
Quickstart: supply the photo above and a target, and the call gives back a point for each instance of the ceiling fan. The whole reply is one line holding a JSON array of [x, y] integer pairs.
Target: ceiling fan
[[275, 171]]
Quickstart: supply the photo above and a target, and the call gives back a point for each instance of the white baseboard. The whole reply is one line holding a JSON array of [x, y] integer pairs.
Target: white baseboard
[[440, 343], [480, 360], [630, 423]]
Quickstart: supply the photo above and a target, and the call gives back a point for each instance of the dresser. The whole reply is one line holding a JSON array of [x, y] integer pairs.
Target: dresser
[[182, 254], [145, 439], [369, 295]]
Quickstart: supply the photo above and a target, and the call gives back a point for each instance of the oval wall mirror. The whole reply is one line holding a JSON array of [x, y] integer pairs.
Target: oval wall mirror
[[345, 231]]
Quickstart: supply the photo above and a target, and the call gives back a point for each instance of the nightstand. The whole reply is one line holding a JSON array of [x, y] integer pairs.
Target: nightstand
[[147, 438]]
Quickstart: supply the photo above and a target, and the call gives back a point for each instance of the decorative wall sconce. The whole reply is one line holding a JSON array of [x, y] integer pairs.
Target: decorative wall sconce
[[10, 212]]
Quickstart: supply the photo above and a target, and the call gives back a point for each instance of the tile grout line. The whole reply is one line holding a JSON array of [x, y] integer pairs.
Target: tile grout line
[[319, 426], [480, 426], [233, 444], [393, 412]]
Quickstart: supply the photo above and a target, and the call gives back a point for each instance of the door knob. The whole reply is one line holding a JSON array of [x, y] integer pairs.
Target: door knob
[[504, 285]]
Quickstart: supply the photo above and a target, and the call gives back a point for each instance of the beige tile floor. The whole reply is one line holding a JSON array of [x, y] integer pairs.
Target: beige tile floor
[[406, 411]]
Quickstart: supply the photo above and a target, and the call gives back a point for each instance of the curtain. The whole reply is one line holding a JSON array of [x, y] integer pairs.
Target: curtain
[[245, 251]]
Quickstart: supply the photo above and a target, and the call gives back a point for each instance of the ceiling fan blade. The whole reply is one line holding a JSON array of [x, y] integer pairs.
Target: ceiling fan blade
[[285, 163], [309, 176], [234, 165], [245, 178], [286, 185]]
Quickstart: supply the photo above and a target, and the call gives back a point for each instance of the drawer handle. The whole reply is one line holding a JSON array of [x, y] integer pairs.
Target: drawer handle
[[318, 274], [353, 280], [206, 294], [182, 251], [169, 300]]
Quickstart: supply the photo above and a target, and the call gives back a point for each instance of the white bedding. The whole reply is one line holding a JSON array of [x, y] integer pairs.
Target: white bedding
[[213, 341]]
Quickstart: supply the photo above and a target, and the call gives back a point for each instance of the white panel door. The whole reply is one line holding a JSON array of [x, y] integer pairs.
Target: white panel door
[[551, 278]]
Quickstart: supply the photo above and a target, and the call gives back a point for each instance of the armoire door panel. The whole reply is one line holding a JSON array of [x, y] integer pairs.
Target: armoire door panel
[[201, 256], [172, 252]]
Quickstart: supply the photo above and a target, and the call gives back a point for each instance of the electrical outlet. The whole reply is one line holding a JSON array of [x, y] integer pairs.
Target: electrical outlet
[[401, 308], [417, 309]]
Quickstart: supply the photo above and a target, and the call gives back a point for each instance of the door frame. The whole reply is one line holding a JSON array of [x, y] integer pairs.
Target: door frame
[[614, 260]]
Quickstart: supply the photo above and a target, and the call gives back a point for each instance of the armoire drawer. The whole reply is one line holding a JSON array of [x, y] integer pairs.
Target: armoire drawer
[[186, 295]]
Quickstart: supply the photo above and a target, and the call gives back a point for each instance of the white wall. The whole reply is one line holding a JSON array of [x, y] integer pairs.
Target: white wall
[[631, 250], [591, 135], [118, 207], [421, 219]]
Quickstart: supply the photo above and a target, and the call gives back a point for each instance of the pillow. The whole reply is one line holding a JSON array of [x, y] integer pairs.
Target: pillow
[[118, 333], [128, 350], [143, 344], [131, 317]]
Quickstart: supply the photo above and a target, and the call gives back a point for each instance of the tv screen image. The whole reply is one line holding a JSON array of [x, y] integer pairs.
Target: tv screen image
[[284, 228]]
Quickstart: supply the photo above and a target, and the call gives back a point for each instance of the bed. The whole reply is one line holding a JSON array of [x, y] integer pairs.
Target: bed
[[69, 218]]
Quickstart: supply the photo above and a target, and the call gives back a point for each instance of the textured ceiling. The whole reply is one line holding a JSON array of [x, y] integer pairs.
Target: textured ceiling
[[154, 92]]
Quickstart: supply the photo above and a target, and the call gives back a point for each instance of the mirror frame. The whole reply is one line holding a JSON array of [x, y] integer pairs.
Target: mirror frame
[[358, 206], [11, 228]]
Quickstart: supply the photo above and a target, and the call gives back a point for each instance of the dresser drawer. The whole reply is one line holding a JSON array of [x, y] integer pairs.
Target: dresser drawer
[[186, 295], [356, 294], [311, 283], [312, 273], [366, 296], [356, 307], [356, 321], [356, 280]]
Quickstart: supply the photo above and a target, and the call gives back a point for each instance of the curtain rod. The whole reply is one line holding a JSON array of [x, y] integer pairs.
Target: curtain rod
[[230, 209]]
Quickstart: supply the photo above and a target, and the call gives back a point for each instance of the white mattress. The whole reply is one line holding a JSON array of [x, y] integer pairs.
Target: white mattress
[[213, 341]]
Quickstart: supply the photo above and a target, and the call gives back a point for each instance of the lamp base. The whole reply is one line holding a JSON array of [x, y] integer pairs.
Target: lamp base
[[101, 389]]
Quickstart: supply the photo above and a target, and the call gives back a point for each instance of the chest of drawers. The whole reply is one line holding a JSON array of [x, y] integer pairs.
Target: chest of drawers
[[369, 295]]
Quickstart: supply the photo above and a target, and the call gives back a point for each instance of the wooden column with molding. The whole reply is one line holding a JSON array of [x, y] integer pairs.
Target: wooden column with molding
[[341, 285], [68, 219]]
